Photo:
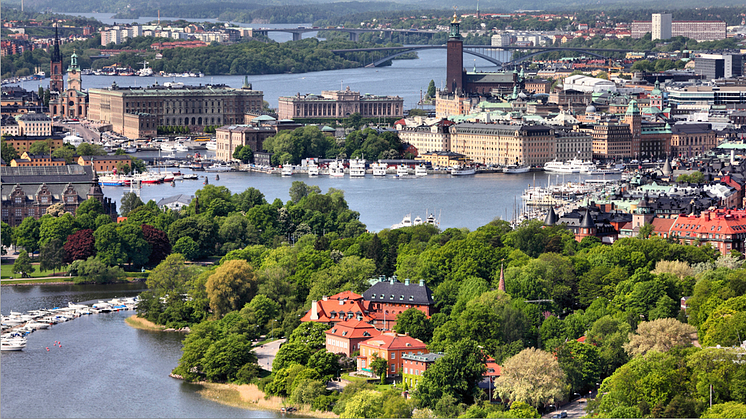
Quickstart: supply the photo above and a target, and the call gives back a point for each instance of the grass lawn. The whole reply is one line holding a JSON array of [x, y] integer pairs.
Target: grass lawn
[[6, 271], [39, 281]]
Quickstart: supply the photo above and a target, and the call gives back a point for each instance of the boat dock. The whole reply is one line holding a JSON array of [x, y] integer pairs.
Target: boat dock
[[17, 326]]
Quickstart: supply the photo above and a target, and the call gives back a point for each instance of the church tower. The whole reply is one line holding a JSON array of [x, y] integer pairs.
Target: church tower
[[73, 74], [56, 83], [455, 59]]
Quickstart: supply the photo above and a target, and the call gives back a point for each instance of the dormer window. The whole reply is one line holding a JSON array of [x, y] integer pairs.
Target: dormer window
[[392, 296], [344, 333], [401, 297], [372, 296], [411, 298]]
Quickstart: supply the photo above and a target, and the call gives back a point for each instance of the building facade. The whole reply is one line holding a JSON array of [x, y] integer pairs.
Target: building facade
[[30, 191], [336, 104], [73, 101], [231, 136], [414, 366], [143, 110], [391, 347], [573, 144], [699, 30], [661, 26], [611, 140], [428, 138], [689, 140], [346, 337], [504, 144]]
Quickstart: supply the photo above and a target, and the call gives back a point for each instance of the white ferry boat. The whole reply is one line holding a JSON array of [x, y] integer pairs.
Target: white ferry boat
[[463, 171], [402, 170], [287, 169], [313, 168], [212, 145], [420, 170], [336, 169], [357, 167], [379, 169], [572, 166], [514, 168], [219, 167]]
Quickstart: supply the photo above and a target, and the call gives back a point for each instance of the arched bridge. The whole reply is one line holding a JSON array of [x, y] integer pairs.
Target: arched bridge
[[481, 51]]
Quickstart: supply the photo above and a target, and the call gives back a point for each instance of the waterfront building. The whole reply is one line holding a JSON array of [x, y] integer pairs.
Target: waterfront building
[[345, 337], [703, 97], [703, 30], [504, 144], [571, 144], [27, 159], [137, 112], [391, 347], [176, 202], [611, 140], [9, 126], [337, 308], [449, 104], [104, 163], [29, 191], [442, 158], [231, 136], [428, 138], [723, 229], [336, 104]]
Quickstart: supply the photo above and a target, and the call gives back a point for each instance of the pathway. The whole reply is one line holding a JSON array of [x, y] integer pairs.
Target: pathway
[[265, 354]]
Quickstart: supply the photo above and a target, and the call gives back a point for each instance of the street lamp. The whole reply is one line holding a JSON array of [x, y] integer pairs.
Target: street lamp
[[273, 327]]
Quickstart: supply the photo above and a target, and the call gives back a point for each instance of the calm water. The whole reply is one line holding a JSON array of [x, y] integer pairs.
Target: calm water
[[465, 201], [104, 368], [405, 78]]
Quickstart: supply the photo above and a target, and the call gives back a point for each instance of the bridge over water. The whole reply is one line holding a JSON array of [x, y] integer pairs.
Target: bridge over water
[[354, 32], [486, 52]]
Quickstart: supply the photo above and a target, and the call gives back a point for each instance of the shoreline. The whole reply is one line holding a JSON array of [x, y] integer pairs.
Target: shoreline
[[248, 396], [143, 324]]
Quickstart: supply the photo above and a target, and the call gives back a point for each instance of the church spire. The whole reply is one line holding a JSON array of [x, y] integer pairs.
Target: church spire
[[501, 284]]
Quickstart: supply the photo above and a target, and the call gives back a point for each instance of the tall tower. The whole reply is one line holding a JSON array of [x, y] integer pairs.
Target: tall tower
[[455, 59], [633, 118], [56, 83], [73, 74], [661, 26]]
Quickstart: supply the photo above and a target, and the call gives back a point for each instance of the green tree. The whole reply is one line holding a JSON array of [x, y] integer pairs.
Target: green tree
[[129, 202], [27, 234], [225, 358], [416, 323], [581, 364], [456, 374], [95, 271], [431, 89], [307, 391], [364, 404], [109, 247], [41, 147], [7, 236], [726, 410], [299, 190], [52, 256], [66, 152], [187, 247], [231, 286], [380, 367], [8, 152], [244, 153], [22, 265], [171, 275], [532, 376], [291, 353], [261, 310], [310, 334]]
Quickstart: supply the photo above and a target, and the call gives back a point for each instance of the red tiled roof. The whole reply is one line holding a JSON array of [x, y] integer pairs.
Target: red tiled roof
[[581, 339], [492, 365], [392, 341], [329, 311], [352, 329], [663, 225], [346, 295]]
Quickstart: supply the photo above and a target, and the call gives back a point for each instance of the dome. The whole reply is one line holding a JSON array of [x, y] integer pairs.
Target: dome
[[590, 109]]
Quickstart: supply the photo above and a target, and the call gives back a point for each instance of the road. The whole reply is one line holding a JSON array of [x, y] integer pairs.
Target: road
[[266, 353], [85, 130], [574, 409]]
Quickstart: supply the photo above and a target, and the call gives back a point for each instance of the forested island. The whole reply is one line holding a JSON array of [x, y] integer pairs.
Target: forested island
[[574, 317]]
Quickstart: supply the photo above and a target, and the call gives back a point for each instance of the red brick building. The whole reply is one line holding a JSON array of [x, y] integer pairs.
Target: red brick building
[[345, 337], [391, 347], [725, 230], [388, 298]]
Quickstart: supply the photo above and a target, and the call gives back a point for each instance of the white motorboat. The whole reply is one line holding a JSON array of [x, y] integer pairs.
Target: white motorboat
[[402, 170], [218, 167], [420, 170], [37, 325], [181, 147], [313, 168], [336, 169], [463, 171], [130, 149], [379, 169], [405, 222], [287, 169], [573, 166], [357, 167], [12, 345], [212, 145], [190, 176], [168, 147], [514, 168]]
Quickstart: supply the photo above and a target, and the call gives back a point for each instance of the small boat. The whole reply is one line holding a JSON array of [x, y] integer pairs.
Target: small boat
[[287, 169], [357, 167], [12, 345], [190, 176], [212, 145], [514, 168], [405, 222], [463, 171], [219, 167], [217, 177], [181, 147], [313, 169], [379, 169], [420, 170], [402, 170]]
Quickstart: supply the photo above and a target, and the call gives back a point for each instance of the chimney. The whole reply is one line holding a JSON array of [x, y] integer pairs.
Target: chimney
[[406, 282], [314, 311], [422, 282], [706, 215], [391, 280], [324, 298], [341, 302]]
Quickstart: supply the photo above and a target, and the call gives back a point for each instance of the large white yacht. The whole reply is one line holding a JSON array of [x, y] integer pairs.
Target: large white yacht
[[379, 169], [313, 168], [357, 167], [287, 169], [336, 169], [573, 166], [420, 170]]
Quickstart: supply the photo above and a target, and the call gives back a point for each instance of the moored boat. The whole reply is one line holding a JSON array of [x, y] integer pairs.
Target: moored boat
[[379, 169], [463, 171], [336, 169], [402, 170], [357, 167], [420, 170], [514, 168], [287, 169]]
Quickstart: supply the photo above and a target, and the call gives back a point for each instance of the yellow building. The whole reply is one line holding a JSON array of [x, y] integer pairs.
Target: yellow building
[[497, 144]]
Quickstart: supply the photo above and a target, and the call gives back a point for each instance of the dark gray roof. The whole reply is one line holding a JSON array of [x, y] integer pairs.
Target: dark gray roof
[[587, 220], [392, 291], [429, 357], [57, 179], [691, 128], [181, 198], [33, 116]]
